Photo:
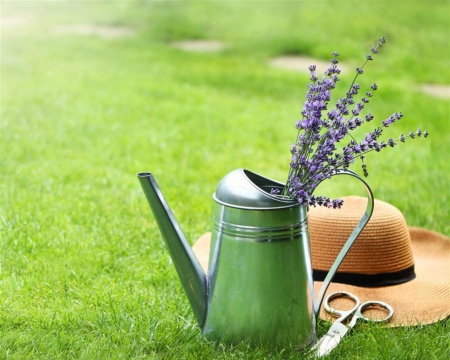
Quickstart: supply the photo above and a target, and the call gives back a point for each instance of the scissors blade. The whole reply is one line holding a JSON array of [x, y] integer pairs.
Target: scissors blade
[[331, 339]]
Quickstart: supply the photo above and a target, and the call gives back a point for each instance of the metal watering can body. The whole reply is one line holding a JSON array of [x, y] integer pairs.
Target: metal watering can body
[[259, 287], [260, 273]]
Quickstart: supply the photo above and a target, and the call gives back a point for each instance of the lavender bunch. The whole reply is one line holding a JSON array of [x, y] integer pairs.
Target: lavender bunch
[[315, 156]]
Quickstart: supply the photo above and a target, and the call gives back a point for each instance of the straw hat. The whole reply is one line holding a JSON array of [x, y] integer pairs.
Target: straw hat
[[409, 268]]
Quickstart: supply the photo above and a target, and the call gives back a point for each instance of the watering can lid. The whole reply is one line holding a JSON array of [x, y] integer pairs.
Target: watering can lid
[[245, 189]]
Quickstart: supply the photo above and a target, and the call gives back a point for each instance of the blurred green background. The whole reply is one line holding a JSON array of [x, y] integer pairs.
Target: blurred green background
[[93, 92]]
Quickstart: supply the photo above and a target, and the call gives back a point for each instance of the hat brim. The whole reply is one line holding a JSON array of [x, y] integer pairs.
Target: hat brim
[[423, 300]]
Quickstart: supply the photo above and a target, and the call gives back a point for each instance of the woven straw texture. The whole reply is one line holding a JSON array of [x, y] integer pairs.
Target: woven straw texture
[[382, 247], [424, 300]]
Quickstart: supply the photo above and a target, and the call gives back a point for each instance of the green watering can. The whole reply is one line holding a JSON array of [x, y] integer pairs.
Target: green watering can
[[259, 288]]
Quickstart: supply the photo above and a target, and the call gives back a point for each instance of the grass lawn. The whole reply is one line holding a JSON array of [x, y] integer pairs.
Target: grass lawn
[[93, 92]]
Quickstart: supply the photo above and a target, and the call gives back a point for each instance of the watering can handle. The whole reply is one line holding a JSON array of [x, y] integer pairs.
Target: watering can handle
[[362, 223]]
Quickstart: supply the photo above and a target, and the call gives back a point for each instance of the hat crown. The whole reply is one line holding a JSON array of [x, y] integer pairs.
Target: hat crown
[[381, 255]]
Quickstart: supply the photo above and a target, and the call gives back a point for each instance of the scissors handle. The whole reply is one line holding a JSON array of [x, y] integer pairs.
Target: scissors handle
[[343, 313], [377, 304]]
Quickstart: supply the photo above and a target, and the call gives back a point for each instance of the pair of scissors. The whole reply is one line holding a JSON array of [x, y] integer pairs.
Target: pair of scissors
[[341, 326]]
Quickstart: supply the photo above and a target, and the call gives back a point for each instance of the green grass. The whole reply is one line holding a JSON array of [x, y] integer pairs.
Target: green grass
[[84, 273]]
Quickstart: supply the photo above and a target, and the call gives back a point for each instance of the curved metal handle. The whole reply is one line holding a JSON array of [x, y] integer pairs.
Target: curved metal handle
[[362, 223]]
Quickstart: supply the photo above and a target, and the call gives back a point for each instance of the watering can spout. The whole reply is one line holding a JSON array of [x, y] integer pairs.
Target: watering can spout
[[192, 276]]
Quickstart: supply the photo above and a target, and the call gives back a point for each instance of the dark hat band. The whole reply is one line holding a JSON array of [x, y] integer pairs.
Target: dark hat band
[[368, 280]]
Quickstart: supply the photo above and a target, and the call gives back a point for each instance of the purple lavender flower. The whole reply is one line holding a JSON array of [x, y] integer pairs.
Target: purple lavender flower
[[391, 119], [334, 61], [315, 155], [368, 117]]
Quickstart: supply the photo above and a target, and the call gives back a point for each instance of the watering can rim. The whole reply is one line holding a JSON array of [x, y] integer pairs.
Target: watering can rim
[[241, 189]]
